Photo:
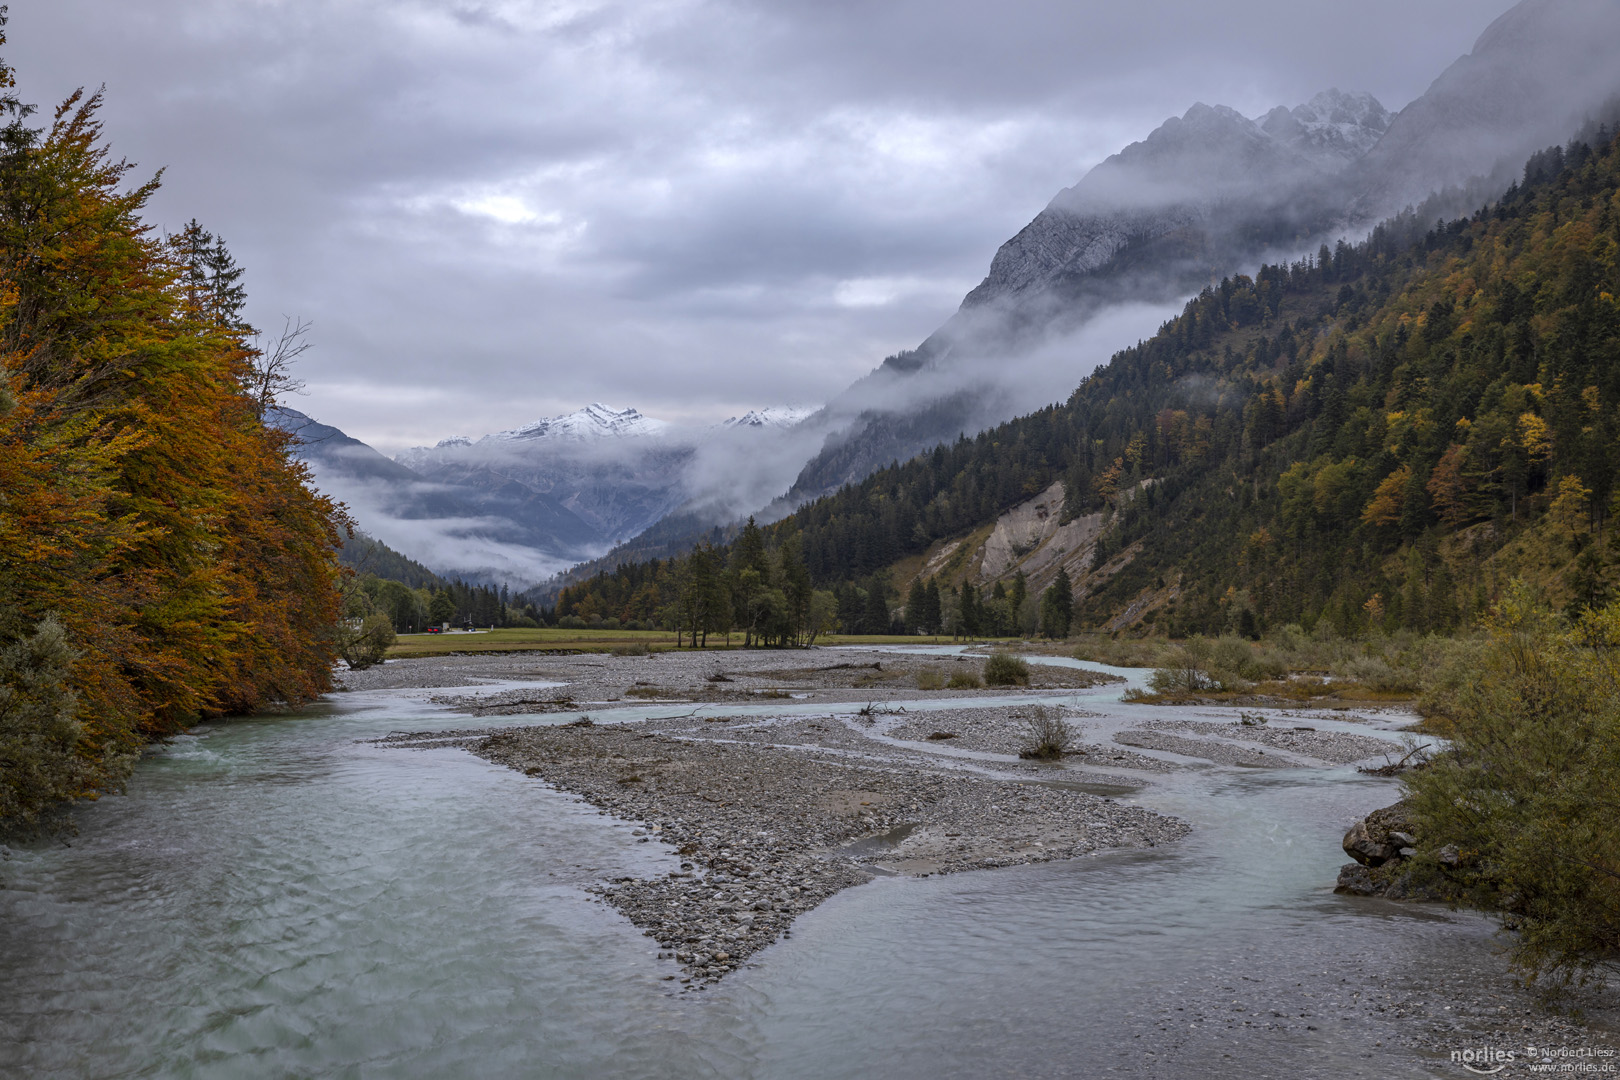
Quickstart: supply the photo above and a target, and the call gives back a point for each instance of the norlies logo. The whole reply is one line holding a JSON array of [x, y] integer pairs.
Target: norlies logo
[[1484, 1061]]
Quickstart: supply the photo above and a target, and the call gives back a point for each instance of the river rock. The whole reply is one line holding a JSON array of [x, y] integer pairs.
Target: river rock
[[1380, 836], [1357, 880], [1360, 846]]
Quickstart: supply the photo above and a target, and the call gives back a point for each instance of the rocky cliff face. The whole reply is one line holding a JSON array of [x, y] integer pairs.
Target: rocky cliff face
[[1211, 193], [1194, 169], [1202, 195]]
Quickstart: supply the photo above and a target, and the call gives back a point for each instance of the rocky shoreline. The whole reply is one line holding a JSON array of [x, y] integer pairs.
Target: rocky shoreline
[[763, 817], [767, 829], [772, 814]]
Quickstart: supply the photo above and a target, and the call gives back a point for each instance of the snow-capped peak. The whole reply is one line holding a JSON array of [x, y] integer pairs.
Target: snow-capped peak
[[776, 416], [594, 421], [1333, 124]]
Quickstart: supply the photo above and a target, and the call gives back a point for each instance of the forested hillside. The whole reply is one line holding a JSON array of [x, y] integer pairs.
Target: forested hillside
[[161, 557], [1381, 435]]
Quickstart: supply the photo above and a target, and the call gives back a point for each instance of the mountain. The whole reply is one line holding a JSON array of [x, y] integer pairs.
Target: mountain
[[520, 505], [1206, 195], [1198, 171], [777, 416], [622, 472], [1534, 76], [1203, 194], [594, 421], [1380, 439], [614, 469], [494, 529]]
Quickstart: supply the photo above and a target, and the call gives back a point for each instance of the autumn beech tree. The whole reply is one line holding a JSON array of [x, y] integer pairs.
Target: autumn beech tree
[[162, 557]]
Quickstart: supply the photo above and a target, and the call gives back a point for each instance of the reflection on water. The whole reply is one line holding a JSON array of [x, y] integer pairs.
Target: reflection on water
[[278, 898]]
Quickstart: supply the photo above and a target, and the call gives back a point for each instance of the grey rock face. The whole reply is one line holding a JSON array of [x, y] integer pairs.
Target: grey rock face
[[1201, 195], [1211, 192], [1175, 178]]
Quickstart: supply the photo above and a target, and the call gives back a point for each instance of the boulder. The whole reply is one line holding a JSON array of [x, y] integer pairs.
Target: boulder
[[1382, 845], [1382, 835], [1357, 880], [1360, 845]]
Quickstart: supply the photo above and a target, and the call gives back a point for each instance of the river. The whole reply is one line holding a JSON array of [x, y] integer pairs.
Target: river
[[275, 897]]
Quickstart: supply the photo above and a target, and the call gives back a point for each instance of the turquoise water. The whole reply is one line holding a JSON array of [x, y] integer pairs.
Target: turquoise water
[[275, 897]]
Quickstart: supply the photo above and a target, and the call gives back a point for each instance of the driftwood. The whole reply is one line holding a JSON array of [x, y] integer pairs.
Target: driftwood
[[683, 716], [1394, 768]]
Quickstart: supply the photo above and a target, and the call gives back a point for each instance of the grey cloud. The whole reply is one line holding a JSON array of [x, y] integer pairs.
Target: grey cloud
[[496, 211]]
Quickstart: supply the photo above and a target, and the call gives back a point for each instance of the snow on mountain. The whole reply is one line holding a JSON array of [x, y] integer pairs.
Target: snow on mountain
[[1333, 125], [594, 421], [776, 416], [1170, 181]]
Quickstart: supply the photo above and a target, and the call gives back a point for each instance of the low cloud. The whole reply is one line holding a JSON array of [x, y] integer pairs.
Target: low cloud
[[495, 211]]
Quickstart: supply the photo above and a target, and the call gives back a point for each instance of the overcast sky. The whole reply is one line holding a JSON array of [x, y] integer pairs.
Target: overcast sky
[[497, 211]]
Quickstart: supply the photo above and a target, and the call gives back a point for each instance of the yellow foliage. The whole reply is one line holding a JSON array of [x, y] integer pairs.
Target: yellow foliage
[[1535, 436], [1385, 507], [1568, 512]]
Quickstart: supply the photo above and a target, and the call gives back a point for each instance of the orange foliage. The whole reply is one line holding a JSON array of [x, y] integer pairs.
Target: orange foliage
[[142, 500]]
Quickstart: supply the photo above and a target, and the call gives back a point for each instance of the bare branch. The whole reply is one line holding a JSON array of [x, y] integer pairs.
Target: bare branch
[[272, 376]]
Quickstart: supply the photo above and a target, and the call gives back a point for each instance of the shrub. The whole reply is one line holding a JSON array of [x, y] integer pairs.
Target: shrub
[[1048, 735], [1186, 669], [964, 680], [1199, 665], [1005, 669], [1376, 673], [649, 692], [365, 645], [572, 622], [930, 679], [1290, 638], [1122, 652], [1509, 812], [39, 734]]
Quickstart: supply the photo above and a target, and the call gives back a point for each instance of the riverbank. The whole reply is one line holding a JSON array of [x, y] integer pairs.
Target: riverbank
[[773, 815], [831, 780], [297, 899]]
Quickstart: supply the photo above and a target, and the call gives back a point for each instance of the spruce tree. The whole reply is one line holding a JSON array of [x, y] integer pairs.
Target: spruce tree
[[916, 607]]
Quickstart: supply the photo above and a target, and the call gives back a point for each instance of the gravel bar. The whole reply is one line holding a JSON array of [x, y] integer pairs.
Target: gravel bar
[[1333, 747], [769, 831]]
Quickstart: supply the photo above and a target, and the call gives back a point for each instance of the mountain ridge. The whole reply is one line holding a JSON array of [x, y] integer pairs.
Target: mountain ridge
[[1101, 239], [1379, 437]]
